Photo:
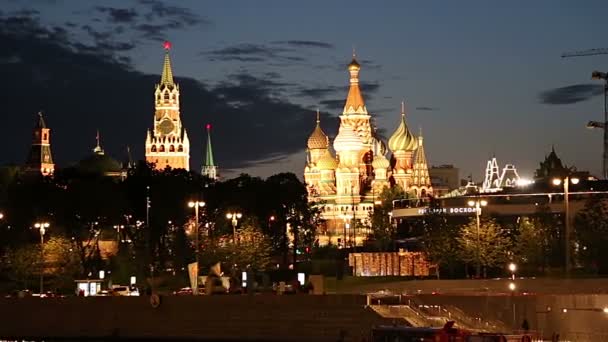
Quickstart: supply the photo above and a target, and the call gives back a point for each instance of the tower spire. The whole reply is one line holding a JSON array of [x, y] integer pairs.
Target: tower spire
[[98, 149], [167, 75], [402, 108], [209, 168], [40, 160], [354, 100]]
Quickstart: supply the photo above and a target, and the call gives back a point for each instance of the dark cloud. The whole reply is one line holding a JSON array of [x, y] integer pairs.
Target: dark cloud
[[118, 15], [319, 92], [333, 104], [570, 94], [306, 44], [427, 108], [180, 15], [247, 52], [81, 91]]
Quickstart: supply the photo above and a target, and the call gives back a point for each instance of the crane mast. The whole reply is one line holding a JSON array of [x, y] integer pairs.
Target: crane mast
[[596, 75]]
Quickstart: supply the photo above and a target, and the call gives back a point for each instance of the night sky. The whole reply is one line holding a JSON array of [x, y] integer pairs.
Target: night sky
[[479, 77]]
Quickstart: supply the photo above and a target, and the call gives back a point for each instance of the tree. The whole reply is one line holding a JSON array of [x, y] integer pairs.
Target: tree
[[440, 242], [591, 231], [383, 232], [551, 243], [529, 244], [22, 264], [488, 246], [61, 263]]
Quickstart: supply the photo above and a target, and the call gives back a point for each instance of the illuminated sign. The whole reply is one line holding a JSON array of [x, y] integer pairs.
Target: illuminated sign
[[452, 210]]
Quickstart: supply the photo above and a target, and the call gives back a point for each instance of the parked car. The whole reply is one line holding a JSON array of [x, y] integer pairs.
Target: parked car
[[184, 291], [119, 290]]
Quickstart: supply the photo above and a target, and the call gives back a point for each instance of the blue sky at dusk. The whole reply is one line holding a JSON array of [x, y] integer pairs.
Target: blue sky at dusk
[[479, 77]]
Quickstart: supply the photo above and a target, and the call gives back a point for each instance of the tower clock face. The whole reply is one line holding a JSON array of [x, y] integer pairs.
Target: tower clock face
[[166, 126]]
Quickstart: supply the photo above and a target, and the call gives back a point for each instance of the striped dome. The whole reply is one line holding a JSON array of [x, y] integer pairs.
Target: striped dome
[[402, 139], [380, 162]]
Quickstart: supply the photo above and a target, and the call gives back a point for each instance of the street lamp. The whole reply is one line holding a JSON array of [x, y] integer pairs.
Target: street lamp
[[345, 218], [566, 183], [512, 268], [478, 204], [42, 226], [235, 220], [196, 205]]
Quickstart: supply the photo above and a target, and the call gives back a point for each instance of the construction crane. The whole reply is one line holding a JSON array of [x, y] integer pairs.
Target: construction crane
[[597, 75], [590, 52]]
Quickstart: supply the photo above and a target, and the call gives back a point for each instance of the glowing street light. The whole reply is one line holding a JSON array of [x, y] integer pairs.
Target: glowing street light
[[42, 226], [566, 184], [512, 268], [1, 216], [512, 286], [234, 217], [345, 218], [478, 204], [196, 205]]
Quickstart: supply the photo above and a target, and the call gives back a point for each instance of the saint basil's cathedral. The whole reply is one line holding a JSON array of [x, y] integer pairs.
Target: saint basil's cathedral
[[346, 185]]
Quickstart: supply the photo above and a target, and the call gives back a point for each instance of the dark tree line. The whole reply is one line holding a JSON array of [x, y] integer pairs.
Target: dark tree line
[[148, 216]]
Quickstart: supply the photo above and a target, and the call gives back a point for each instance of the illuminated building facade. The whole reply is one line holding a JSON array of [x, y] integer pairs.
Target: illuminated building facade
[[168, 144], [40, 159], [347, 185]]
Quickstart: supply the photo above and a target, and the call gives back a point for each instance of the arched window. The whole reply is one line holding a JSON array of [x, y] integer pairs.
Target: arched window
[[180, 148], [167, 95], [171, 148], [153, 148], [423, 193], [162, 148]]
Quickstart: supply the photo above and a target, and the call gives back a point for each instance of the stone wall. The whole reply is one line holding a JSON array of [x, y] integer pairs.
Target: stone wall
[[229, 317]]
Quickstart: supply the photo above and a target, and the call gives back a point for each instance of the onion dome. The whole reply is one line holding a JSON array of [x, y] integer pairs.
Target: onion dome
[[327, 162], [402, 139], [354, 65], [318, 139], [380, 162], [347, 140]]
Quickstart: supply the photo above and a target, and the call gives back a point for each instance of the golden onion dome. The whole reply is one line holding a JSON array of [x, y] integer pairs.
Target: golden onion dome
[[327, 162], [402, 139], [380, 162], [318, 139], [354, 65], [347, 140]]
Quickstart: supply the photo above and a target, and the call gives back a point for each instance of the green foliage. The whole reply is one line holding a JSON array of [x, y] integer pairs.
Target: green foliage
[[487, 246], [23, 263], [440, 241], [529, 244], [383, 232], [251, 250], [61, 263], [591, 231]]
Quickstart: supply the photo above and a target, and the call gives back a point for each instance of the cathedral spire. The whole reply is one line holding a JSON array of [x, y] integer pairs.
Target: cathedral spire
[[209, 168], [354, 101], [167, 75], [98, 149]]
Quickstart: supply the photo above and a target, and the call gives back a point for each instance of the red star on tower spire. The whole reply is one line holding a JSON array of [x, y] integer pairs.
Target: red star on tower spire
[[167, 45], [208, 126]]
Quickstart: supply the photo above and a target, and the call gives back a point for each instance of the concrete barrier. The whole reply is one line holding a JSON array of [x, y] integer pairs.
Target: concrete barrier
[[260, 318]]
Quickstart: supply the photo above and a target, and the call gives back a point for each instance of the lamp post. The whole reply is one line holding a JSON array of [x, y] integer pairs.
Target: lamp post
[[567, 224], [196, 205], [234, 217], [42, 226], [118, 228], [478, 204], [345, 218], [512, 268], [512, 288]]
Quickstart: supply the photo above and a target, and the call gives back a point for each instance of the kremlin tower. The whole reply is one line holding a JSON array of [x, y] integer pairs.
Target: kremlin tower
[[167, 145], [209, 168], [346, 185], [40, 160]]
